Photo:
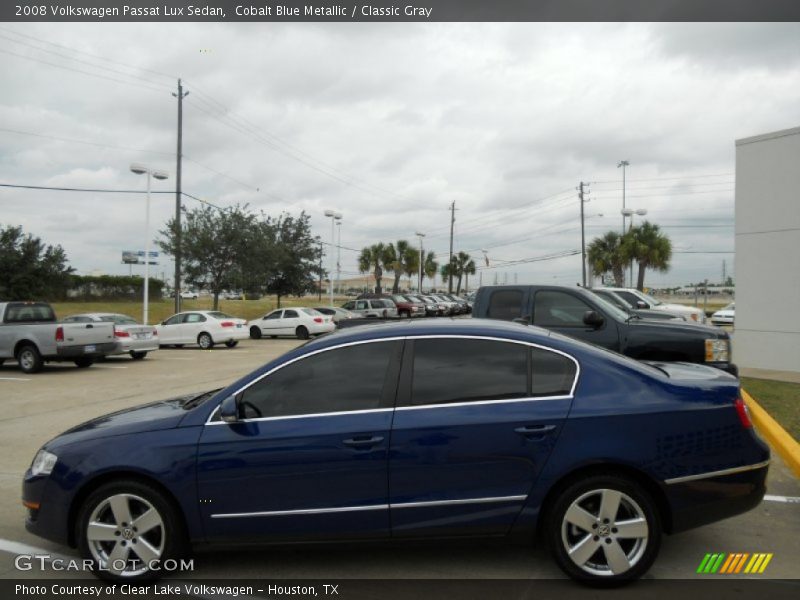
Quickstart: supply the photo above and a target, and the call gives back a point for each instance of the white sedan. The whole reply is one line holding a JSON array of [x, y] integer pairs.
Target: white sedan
[[725, 315], [202, 327], [132, 338], [296, 321]]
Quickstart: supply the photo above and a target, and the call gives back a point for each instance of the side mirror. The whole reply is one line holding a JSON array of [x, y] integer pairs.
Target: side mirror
[[641, 304], [163, 322], [229, 410], [593, 319]]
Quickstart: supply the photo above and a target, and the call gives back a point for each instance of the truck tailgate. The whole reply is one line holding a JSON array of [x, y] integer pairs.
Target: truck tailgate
[[86, 334]]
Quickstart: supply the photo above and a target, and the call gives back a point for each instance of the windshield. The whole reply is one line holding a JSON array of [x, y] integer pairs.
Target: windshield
[[650, 299], [616, 312], [399, 298]]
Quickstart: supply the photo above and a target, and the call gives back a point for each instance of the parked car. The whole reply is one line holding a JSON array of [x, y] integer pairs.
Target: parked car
[[373, 308], [638, 299], [202, 327], [232, 296], [432, 309], [189, 295], [579, 313], [409, 431], [464, 307], [724, 316], [406, 307], [296, 321], [132, 338], [31, 335], [450, 307], [338, 314], [644, 313]]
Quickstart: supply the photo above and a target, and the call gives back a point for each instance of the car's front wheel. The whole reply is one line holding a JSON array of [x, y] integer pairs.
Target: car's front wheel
[[255, 333], [127, 529], [604, 530]]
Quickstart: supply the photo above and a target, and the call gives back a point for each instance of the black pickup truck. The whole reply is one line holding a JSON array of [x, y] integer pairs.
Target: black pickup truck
[[580, 314]]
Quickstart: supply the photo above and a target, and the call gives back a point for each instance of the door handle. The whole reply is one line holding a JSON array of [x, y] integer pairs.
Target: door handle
[[361, 442], [534, 432]]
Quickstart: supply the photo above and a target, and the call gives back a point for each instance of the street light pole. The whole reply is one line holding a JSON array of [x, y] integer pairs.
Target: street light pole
[[420, 236], [334, 216], [339, 255], [161, 175], [623, 164]]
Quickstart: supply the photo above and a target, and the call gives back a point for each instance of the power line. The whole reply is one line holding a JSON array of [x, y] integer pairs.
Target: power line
[[67, 189], [667, 178]]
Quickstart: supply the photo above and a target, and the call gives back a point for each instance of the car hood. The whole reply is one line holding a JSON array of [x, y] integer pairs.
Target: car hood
[[164, 414], [696, 329], [679, 308]]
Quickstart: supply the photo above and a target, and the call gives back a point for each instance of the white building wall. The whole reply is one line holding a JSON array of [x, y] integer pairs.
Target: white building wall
[[767, 328]]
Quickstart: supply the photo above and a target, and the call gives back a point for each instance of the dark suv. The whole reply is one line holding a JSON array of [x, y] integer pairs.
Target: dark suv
[[406, 308]]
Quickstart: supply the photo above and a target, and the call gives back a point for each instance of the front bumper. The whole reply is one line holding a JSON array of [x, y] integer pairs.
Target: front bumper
[[50, 518], [702, 500]]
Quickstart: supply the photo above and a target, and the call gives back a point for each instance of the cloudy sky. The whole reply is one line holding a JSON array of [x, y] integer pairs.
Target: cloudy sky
[[390, 123]]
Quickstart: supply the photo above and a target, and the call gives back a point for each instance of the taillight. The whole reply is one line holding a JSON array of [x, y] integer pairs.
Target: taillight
[[59, 334], [121, 334], [743, 412], [227, 323]]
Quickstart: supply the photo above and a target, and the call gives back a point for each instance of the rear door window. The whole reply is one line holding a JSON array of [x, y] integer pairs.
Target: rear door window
[[505, 304]]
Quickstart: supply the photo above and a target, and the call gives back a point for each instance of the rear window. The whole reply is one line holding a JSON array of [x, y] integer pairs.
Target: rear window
[[29, 313], [118, 319], [505, 304], [220, 315], [311, 311]]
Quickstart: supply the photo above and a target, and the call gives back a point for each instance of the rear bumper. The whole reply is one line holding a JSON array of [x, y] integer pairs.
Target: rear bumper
[[73, 352], [699, 500]]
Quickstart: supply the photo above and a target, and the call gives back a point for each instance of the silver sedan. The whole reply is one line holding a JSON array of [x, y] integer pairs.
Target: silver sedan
[[131, 337]]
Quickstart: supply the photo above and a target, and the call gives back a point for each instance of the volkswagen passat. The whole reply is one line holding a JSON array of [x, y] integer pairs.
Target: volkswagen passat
[[410, 430], [202, 327]]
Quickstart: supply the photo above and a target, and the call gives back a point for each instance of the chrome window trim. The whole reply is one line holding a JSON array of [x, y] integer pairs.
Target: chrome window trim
[[722, 473], [211, 421], [341, 509]]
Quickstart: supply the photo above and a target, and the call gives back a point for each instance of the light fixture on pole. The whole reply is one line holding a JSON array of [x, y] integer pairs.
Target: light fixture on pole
[[339, 255], [420, 236], [629, 212], [334, 216], [161, 175], [623, 164]]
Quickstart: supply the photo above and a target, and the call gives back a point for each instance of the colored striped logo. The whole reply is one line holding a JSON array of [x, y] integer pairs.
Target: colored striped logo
[[735, 562]]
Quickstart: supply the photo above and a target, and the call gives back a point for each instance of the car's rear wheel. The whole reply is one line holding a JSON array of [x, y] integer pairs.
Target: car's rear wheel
[[29, 359], [124, 526], [604, 530], [255, 333], [204, 341], [138, 355], [231, 343], [301, 333], [84, 362]]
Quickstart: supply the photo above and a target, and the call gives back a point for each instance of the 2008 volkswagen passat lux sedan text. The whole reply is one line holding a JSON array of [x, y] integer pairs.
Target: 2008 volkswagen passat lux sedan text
[[411, 430]]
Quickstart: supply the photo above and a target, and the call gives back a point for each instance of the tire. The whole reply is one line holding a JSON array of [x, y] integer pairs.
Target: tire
[[255, 333], [273, 337], [84, 362], [164, 538], [231, 343], [205, 341], [179, 345], [302, 333], [138, 355], [29, 359], [575, 522], [404, 315]]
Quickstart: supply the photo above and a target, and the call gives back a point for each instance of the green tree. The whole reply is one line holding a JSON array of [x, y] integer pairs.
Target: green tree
[[212, 246], [650, 248], [374, 258], [296, 257], [31, 269], [463, 265], [401, 259], [429, 265], [605, 256]]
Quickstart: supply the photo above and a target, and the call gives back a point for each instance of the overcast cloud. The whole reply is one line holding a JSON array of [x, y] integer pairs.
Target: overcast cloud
[[389, 123]]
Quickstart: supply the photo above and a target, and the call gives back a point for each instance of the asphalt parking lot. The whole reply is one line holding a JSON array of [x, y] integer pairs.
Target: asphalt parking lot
[[38, 407]]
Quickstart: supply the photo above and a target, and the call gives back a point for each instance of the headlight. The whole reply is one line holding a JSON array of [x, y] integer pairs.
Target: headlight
[[718, 350], [43, 463]]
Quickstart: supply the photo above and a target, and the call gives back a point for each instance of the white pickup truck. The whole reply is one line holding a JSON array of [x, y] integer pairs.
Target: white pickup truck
[[31, 335]]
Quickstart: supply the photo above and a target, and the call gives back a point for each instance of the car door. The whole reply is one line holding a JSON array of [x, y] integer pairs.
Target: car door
[[471, 432], [271, 324], [308, 459], [563, 312], [169, 330], [193, 324], [290, 322]]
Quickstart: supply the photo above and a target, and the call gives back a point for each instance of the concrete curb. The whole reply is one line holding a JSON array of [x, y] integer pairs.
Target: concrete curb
[[783, 443]]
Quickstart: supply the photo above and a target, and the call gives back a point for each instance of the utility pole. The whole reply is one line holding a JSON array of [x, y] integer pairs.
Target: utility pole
[[623, 164], [421, 259], [583, 237], [319, 289], [450, 264], [178, 252]]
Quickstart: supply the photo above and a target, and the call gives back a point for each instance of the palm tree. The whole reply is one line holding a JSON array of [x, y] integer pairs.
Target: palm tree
[[462, 265], [373, 258], [650, 248], [605, 255], [429, 265], [401, 259]]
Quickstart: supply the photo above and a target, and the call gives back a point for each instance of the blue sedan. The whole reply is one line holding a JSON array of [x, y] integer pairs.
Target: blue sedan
[[411, 430]]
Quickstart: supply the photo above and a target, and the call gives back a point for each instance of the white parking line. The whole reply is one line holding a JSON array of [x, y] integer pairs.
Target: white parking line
[[176, 358], [110, 367], [785, 499], [13, 379]]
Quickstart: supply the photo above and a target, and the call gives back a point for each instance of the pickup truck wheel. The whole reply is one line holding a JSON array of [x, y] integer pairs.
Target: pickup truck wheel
[[84, 362], [255, 333], [29, 359], [204, 341], [138, 355]]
